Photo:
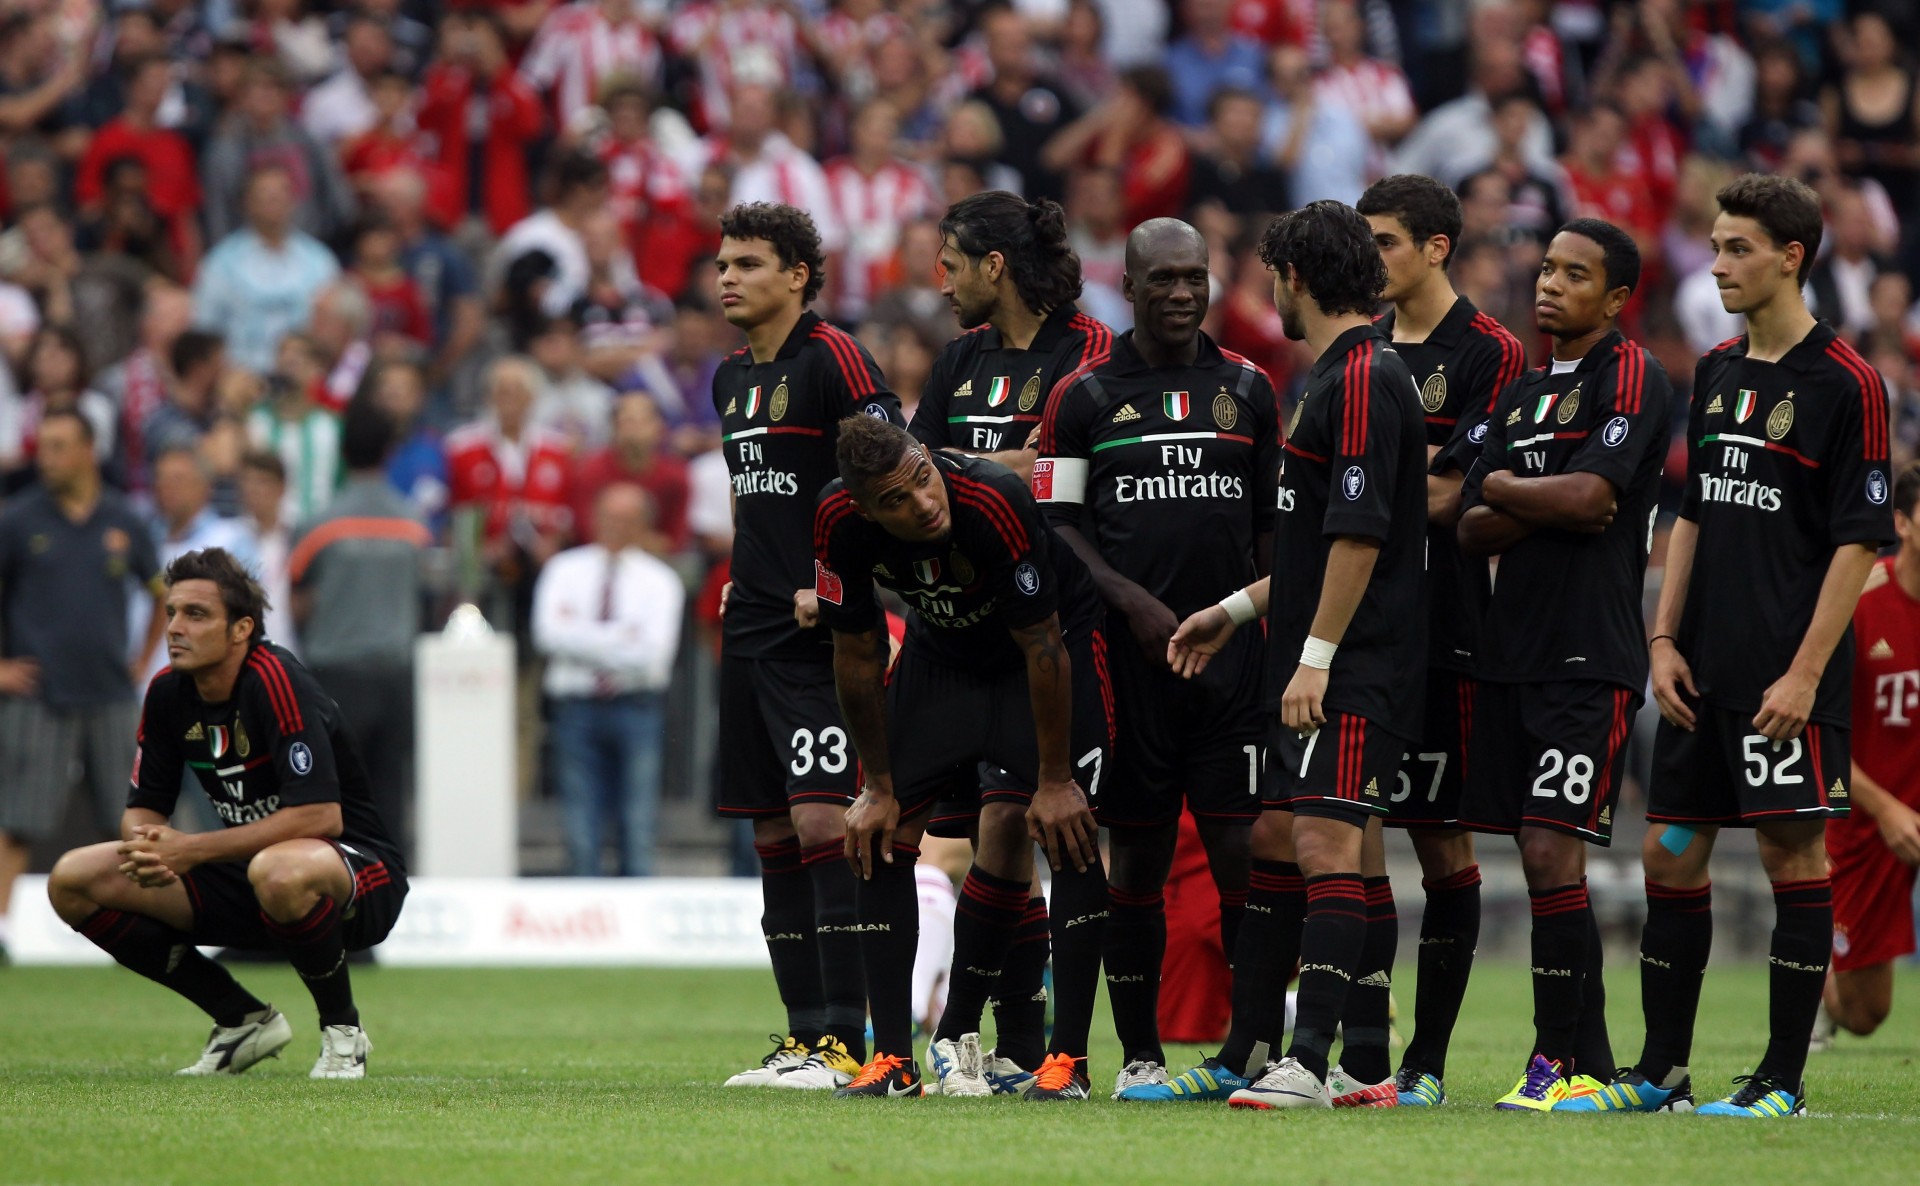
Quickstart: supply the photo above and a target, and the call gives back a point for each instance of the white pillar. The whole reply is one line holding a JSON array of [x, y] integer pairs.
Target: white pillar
[[468, 821]]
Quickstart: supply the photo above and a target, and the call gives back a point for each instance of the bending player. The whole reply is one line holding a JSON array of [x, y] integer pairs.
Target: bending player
[[1004, 619], [1787, 503], [1159, 468], [1875, 849], [303, 864], [1564, 492], [1461, 360], [785, 763]]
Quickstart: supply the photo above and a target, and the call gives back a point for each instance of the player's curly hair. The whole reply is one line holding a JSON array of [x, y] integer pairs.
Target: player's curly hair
[[239, 591], [1786, 208], [1331, 247], [869, 448], [1424, 206], [1030, 236], [791, 232], [1619, 257]]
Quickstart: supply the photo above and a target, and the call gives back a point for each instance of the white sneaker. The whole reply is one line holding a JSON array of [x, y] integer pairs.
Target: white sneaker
[[343, 1053], [231, 1049], [788, 1053], [827, 1067], [1349, 1092], [1138, 1074], [968, 1076], [1004, 1075], [1284, 1084], [943, 1057]]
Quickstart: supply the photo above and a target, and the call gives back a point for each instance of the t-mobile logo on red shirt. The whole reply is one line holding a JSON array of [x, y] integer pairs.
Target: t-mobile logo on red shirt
[[1896, 695]]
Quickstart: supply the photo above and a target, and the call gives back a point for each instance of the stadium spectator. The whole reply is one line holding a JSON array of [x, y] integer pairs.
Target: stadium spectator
[[263, 494], [1537, 198], [513, 473], [1840, 287], [652, 197], [295, 37], [482, 118], [1233, 176], [1081, 64], [1873, 116], [1130, 136], [1322, 148], [765, 165], [180, 388], [172, 183], [54, 377], [1029, 106], [448, 287], [399, 308], [580, 45], [342, 107], [1208, 57], [876, 193], [292, 422], [607, 617], [571, 403], [731, 41], [1457, 137], [184, 520], [137, 384], [1782, 106], [260, 135], [580, 189], [417, 466], [1374, 90], [258, 283], [638, 456]]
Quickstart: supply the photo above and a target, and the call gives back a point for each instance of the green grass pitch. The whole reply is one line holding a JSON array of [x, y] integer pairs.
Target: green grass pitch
[[532, 1077]]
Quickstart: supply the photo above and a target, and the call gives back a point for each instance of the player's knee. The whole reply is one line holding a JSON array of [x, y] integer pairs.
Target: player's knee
[[817, 824], [1549, 858], [76, 876], [1442, 854], [279, 879]]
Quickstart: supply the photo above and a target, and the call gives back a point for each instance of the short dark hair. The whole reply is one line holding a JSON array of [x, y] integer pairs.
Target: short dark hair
[[1785, 207], [1619, 258], [239, 591], [1228, 94], [1331, 247], [86, 426], [366, 434], [192, 348], [265, 461], [1424, 206], [795, 239], [869, 448], [1030, 236], [577, 170], [1153, 84], [1906, 488]]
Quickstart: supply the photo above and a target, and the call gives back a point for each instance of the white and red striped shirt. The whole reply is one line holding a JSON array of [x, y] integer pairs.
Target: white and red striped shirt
[[1369, 88], [851, 44], [780, 173], [748, 40], [577, 48], [641, 179], [874, 208]]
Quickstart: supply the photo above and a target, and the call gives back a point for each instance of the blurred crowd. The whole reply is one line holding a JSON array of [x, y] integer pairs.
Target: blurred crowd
[[228, 221]]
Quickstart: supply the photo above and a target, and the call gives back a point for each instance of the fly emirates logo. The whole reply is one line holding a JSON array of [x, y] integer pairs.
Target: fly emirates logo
[[1731, 486], [1181, 480], [755, 478]]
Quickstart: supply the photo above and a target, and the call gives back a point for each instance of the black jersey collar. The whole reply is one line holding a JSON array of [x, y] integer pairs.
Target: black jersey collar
[[1126, 356], [1806, 353], [1452, 328], [802, 330], [1341, 346], [1049, 335], [1597, 354]]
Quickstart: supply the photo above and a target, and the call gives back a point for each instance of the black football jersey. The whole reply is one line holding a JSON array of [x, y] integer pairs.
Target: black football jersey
[[1170, 472], [983, 396], [1787, 461], [277, 741], [1356, 465], [779, 421], [1460, 369], [999, 569], [1567, 605]]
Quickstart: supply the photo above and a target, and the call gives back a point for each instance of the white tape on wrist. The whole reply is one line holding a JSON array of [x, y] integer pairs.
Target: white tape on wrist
[[1318, 653], [1239, 607]]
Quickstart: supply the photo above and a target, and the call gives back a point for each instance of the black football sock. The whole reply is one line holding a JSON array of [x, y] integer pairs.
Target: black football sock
[[836, 943], [1080, 920], [1364, 1023], [1136, 947], [168, 957], [1449, 932], [1020, 1006], [1331, 943], [1233, 910], [317, 948], [1673, 960], [889, 938], [1796, 974], [1559, 957], [984, 921], [1269, 947], [1592, 1044], [787, 922]]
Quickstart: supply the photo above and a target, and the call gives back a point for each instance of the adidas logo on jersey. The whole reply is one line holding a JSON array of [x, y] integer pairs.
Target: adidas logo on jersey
[[1838, 790], [1515, 418], [1606, 816], [964, 390], [1881, 650], [1715, 406], [1125, 414], [196, 733], [1375, 980], [1373, 788], [732, 407]]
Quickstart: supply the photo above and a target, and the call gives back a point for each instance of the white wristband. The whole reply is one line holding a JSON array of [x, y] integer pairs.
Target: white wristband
[[1318, 653], [1239, 607]]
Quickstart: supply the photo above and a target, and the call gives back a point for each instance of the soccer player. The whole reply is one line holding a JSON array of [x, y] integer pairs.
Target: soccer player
[[1461, 360], [1004, 663], [1786, 505], [1875, 849], [1012, 279], [1159, 467], [785, 763], [1346, 670], [304, 863], [1564, 492]]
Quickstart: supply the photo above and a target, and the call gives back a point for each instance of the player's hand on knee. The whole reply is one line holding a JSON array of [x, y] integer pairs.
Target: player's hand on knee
[[1786, 706], [1302, 707], [1199, 638], [1060, 821], [1672, 676], [870, 826]]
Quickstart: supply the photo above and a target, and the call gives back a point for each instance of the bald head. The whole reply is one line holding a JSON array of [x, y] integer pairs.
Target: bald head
[[1159, 240]]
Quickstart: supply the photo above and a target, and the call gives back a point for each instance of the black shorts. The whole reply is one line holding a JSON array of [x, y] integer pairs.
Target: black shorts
[[1548, 755], [1433, 773], [1726, 773], [1200, 741], [781, 738], [226, 912], [958, 738], [1344, 770]]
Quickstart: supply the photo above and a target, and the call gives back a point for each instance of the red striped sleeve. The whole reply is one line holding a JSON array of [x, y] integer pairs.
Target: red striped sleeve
[[1359, 387], [828, 517], [1513, 357], [1630, 379], [997, 509], [1873, 398], [846, 352], [273, 676], [1099, 343]]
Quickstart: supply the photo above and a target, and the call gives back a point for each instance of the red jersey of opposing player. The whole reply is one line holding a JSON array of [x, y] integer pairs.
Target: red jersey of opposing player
[[1872, 888]]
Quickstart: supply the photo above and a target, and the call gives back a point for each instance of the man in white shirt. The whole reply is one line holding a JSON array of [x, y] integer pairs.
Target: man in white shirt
[[607, 617]]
